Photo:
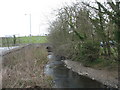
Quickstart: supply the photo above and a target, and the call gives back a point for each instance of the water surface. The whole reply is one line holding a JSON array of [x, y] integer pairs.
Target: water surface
[[65, 78]]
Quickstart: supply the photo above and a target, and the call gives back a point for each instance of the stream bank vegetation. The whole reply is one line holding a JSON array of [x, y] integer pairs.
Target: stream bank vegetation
[[88, 33], [25, 68]]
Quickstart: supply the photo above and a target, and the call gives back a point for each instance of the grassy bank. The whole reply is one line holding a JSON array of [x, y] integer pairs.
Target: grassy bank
[[24, 68]]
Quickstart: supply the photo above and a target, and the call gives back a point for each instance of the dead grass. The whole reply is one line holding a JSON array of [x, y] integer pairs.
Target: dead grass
[[24, 68]]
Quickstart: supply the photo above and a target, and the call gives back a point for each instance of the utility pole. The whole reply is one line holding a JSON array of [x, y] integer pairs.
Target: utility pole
[[29, 40], [39, 29], [30, 24]]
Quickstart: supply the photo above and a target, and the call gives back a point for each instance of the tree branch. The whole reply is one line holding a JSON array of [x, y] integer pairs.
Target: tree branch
[[112, 5], [106, 11], [89, 6]]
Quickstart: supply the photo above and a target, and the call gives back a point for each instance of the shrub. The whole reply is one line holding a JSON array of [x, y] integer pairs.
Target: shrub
[[90, 51]]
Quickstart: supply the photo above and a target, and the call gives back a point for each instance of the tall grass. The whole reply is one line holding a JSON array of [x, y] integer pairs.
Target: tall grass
[[24, 68]]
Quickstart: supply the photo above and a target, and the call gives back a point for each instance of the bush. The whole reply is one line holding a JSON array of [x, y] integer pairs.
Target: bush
[[65, 50], [90, 51]]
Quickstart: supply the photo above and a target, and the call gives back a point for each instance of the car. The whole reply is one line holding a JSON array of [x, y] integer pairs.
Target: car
[[112, 43]]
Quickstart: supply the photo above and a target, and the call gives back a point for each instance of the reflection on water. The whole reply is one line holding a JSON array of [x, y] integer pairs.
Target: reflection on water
[[65, 78]]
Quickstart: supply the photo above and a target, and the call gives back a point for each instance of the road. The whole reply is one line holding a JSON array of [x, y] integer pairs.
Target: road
[[4, 49]]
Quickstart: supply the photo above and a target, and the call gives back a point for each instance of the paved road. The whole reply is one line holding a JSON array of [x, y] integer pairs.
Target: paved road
[[3, 49]]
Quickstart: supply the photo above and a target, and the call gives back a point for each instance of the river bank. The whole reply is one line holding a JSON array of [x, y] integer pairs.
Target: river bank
[[62, 77], [24, 68], [105, 77]]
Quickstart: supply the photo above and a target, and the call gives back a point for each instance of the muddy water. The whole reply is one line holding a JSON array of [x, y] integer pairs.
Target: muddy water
[[65, 78]]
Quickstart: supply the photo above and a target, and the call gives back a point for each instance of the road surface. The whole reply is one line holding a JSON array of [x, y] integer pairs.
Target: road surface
[[4, 49]]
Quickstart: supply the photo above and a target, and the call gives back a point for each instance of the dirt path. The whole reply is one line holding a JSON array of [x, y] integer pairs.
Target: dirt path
[[106, 77]]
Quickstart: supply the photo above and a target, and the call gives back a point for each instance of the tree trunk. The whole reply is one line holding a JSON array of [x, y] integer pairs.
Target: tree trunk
[[104, 48], [119, 52], [108, 48], [118, 47], [108, 44]]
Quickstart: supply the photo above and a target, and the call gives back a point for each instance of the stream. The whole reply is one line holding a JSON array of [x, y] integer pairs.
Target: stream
[[65, 78]]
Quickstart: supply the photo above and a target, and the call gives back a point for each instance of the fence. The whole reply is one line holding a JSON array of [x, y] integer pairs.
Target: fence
[[17, 41], [10, 41]]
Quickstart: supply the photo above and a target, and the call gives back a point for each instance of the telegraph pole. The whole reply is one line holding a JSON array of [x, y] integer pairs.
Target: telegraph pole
[[30, 24]]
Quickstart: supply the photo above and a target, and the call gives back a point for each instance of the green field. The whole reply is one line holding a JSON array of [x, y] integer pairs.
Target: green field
[[9, 41], [32, 39]]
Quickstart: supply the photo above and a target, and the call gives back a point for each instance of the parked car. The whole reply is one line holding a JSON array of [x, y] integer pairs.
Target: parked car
[[112, 43]]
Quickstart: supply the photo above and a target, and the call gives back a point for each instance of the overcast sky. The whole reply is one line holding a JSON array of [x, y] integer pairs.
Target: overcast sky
[[14, 21]]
